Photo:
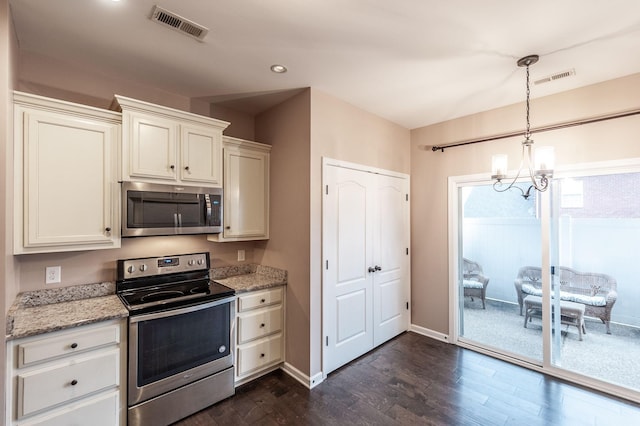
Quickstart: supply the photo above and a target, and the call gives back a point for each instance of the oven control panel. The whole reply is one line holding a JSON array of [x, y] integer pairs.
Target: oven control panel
[[151, 266]]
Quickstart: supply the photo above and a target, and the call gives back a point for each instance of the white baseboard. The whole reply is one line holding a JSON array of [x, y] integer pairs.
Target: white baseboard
[[309, 382], [429, 333]]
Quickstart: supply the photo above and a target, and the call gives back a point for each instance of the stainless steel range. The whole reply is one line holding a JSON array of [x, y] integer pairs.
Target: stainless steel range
[[180, 353]]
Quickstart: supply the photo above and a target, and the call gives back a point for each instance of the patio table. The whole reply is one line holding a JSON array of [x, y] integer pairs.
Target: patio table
[[571, 313]]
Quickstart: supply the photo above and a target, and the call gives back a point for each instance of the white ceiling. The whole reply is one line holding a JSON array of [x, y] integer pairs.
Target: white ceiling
[[413, 62]]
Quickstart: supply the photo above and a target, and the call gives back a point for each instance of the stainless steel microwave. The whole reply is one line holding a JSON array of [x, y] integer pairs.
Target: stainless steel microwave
[[158, 209]]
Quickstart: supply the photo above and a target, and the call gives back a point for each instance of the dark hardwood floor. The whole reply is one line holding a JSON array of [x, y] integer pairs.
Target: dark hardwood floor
[[417, 380]]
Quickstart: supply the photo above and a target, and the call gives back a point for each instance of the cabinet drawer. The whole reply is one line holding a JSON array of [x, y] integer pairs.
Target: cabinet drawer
[[66, 343], [259, 299], [253, 356], [259, 324], [66, 381], [99, 411]]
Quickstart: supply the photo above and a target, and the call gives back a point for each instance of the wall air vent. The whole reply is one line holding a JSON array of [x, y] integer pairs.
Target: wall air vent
[[178, 23], [556, 76]]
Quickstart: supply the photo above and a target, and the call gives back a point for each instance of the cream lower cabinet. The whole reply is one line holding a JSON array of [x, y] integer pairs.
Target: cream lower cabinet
[[246, 191], [69, 377], [66, 195], [259, 333]]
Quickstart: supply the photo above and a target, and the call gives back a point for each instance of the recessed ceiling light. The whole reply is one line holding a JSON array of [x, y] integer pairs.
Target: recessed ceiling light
[[277, 68]]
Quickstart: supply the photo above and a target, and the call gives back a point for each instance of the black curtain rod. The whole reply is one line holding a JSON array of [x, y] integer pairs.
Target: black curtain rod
[[539, 129]]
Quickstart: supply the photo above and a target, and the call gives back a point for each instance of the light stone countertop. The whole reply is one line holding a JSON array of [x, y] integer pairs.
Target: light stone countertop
[[43, 311], [258, 277]]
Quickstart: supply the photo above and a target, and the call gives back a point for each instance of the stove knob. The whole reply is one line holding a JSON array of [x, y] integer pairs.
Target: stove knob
[[143, 267], [191, 262], [131, 269], [200, 261]]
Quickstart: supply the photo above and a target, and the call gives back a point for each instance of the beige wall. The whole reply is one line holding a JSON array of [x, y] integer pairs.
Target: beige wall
[[8, 80], [242, 124], [343, 132], [88, 85], [301, 131], [610, 140], [286, 128], [100, 265]]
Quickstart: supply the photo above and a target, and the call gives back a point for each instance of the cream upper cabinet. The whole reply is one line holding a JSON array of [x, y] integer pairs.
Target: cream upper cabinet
[[161, 144], [246, 191], [66, 195]]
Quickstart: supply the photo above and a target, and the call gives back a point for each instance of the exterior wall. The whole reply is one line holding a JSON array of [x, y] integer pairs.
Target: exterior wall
[[609, 140], [343, 132], [286, 128]]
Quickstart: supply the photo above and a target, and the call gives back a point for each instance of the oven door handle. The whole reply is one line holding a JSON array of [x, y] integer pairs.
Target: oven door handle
[[186, 310]]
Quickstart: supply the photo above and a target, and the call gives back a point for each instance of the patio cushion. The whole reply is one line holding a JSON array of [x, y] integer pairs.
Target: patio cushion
[[471, 284], [584, 299], [571, 297]]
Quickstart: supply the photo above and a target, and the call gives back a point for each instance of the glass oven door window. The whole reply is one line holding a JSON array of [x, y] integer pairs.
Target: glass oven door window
[[177, 343]]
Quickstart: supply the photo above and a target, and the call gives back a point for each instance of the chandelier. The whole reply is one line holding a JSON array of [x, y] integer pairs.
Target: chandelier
[[538, 163]]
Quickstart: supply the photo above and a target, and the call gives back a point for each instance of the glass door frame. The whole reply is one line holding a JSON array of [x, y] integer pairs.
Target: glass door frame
[[454, 183]]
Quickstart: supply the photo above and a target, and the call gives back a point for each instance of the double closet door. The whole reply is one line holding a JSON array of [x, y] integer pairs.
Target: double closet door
[[366, 266]]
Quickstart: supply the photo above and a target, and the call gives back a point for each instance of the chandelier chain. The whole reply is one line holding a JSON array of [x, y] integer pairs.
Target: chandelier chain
[[527, 134]]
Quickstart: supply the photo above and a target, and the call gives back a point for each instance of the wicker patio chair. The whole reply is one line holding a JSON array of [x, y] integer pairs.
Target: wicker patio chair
[[474, 281]]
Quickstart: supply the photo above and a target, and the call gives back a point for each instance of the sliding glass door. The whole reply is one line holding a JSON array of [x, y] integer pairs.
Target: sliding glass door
[[500, 251], [595, 251], [552, 280]]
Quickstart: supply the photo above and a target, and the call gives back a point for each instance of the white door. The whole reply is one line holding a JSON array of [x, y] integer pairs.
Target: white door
[[391, 258], [348, 286], [366, 271]]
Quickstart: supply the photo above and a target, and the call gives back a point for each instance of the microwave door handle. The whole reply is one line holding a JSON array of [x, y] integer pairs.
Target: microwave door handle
[[207, 202], [175, 220], [180, 220]]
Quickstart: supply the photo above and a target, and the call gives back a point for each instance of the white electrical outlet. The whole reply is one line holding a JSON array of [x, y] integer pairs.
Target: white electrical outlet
[[240, 255], [53, 274]]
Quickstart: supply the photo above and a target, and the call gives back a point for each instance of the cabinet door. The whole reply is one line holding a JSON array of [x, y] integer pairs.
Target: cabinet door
[[71, 379], [152, 147], [201, 155], [69, 189], [246, 193], [96, 411]]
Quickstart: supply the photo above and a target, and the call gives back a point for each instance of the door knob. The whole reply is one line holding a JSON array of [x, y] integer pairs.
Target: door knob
[[377, 268], [371, 269]]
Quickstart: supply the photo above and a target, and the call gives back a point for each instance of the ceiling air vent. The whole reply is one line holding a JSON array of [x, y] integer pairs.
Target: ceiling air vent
[[556, 76], [178, 23]]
